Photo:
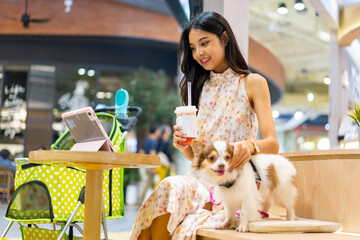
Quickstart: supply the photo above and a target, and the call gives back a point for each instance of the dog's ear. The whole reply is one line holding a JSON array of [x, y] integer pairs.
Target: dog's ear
[[197, 147]]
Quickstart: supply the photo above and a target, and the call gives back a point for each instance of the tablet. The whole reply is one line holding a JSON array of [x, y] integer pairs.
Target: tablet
[[87, 131]]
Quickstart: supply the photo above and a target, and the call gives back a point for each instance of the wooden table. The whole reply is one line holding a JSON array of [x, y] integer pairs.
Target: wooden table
[[94, 163]]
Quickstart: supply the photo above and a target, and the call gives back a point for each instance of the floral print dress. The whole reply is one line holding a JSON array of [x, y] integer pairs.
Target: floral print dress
[[225, 113]]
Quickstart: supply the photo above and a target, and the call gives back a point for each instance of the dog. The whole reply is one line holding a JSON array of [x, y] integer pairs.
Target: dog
[[238, 190]]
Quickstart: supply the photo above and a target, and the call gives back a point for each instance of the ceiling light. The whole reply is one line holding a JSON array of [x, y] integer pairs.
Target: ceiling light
[[91, 73], [275, 114], [282, 9], [68, 4], [100, 95], [298, 115], [323, 144], [310, 97], [299, 5], [300, 140], [327, 80], [81, 71], [325, 36], [108, 94]]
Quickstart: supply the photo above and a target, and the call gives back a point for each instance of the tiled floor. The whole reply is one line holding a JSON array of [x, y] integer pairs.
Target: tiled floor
[[117, 228]]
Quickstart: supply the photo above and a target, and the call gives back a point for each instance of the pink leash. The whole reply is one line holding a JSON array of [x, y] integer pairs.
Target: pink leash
[[212, 198], [265, 214]]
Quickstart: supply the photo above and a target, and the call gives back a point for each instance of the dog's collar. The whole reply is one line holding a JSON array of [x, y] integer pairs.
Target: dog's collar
[[227, 184]]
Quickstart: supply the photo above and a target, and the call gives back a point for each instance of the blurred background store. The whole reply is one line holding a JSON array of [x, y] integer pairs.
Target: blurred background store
[[61, 55]]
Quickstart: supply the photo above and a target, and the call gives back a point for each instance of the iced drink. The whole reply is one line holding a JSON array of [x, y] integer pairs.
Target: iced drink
[[186, 118]]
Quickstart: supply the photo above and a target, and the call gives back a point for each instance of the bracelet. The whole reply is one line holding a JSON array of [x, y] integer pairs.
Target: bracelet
[[256, 148]]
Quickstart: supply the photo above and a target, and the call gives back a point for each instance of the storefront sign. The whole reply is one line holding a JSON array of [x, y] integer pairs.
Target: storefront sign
[[13, 103], [13, 95]]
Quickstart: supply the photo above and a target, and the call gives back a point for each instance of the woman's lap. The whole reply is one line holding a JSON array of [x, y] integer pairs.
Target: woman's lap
[[178, 195]]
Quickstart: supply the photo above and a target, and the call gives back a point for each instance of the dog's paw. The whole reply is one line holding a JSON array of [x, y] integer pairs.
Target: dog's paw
[[290, 215], [242, 228], [225, 225], [291, 218]]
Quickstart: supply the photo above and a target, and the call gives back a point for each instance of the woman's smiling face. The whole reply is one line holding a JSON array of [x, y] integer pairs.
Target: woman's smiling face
[[208, 50]]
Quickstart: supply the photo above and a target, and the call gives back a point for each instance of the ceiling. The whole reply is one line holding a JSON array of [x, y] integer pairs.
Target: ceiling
[[300, 40]]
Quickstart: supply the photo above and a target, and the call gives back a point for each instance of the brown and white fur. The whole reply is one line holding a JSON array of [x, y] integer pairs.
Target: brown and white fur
[[277, 177]]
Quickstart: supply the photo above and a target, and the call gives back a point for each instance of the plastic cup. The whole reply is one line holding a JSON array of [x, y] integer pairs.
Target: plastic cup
[[186, 118]]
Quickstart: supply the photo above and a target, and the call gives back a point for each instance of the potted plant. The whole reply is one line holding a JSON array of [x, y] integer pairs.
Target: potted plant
[[355, 115]]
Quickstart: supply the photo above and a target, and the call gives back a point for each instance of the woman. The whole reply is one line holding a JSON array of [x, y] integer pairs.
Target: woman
[[232, 103]]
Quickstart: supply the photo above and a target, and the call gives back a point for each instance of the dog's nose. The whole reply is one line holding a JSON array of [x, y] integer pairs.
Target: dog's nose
[[221, 166]]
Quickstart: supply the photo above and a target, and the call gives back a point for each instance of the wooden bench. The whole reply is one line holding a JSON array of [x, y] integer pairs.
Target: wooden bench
[[328, 183], [211, 234]]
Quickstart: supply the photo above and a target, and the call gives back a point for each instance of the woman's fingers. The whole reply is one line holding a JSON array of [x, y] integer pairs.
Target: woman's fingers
[[177, 128], [178, 138], [238, 163], [180, 146], [242, 162], [241, 156]]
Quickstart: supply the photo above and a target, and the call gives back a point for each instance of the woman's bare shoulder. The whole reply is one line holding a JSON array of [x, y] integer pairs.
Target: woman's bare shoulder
[[255, 83], [254, 78]]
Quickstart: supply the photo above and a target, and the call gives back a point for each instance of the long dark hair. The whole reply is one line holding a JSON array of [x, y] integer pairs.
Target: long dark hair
[[214, 23]]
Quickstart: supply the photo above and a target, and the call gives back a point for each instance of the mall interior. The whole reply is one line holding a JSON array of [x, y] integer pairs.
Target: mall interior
[[306, 55], [57, 56]]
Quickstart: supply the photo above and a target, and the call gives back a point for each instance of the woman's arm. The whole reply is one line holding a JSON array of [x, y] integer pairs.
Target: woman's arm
[[258, 94], [259, 97]]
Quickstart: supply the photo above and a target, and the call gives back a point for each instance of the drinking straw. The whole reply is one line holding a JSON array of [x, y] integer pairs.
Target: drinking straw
[[189, 93]]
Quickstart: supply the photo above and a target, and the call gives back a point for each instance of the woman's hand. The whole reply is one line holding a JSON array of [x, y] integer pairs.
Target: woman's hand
[[241, 154], [179, 138]]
